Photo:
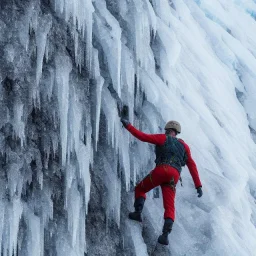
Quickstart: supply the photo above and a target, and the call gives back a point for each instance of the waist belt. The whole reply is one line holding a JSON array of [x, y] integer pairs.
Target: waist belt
[[161, 163]]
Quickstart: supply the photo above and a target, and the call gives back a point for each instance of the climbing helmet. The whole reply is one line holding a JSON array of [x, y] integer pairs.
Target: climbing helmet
[[173, 125]]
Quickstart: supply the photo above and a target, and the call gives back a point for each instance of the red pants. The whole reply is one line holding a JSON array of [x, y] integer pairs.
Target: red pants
[[161, 175]]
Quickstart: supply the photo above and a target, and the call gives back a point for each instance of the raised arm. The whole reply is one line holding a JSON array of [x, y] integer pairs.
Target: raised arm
[[157, 139]]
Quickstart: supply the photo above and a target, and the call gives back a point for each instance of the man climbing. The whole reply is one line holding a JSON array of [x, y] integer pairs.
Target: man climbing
[[171, 155]]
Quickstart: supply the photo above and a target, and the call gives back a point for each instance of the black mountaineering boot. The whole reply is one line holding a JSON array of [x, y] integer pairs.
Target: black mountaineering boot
[[138, 205], [163, 239]]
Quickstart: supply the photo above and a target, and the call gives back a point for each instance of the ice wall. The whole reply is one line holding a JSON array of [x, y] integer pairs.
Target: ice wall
[[68, 168]]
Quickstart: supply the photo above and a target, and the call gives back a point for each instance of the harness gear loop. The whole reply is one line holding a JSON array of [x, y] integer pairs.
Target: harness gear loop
[[171, 183], [181, 181]]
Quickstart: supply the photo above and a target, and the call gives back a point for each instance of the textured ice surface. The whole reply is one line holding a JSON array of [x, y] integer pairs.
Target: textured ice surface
[[68, 168]]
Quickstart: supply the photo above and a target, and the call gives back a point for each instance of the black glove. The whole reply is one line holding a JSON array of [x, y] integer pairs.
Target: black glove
[[125, 116], [199, 191]]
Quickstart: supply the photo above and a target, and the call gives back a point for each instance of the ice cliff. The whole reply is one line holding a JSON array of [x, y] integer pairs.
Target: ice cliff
[[68, 168]]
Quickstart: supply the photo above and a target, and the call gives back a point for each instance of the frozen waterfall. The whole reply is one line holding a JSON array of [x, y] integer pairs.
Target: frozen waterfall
[[68, 167]]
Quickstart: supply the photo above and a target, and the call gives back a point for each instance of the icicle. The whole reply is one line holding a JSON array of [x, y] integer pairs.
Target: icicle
[[75, 121], [47, 51], [14, 211], [110, 37], [2, 219], [41, 242], [89, 21], [152, 16], [99, 85], [63, 69], [54, 140], [13, 178], [142, 33], [18, 124], [114, 191], [82, 237], [81, 13], [34, 238], [42, 30], [84, 151], [76, 45], [127, 81], [25, 24], [47, 204], [84, 157], [74, 204], [116, 137]]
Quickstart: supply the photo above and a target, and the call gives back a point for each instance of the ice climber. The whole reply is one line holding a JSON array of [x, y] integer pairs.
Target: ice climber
[[172, 154]]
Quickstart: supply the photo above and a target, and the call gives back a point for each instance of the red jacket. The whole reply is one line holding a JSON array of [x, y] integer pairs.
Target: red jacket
[[159, 139]]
